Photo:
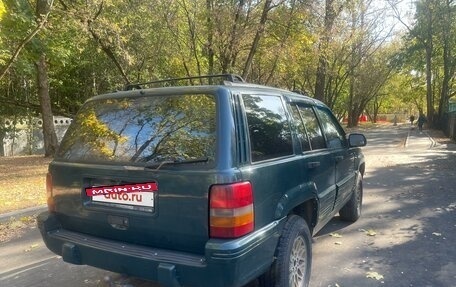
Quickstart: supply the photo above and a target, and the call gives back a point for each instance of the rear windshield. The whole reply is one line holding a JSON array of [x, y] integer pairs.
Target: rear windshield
[[149, 130]]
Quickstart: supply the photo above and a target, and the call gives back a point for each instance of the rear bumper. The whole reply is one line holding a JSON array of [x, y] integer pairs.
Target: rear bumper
[[225, 263]]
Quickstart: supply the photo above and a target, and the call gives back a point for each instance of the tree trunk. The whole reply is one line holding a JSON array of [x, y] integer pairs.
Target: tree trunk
[[49, 136], [210, 39], [352, 121], [320, 80], [429, 48], [2, 136], [227, 55], [448, 67], [256, 40], [283, 42]]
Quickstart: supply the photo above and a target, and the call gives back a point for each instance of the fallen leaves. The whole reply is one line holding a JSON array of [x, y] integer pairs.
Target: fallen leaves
[[369, 232], [335, 235], [31, 247], [374, 275], [24, 178], [16, 227]]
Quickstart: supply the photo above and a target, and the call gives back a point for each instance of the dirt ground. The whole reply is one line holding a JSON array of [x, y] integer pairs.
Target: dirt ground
[[22, 185], [23, 182], [440, 137], [405, 235]]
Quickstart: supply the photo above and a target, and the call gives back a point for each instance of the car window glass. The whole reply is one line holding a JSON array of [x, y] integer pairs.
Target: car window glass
[[269, 130], [300, 129], [334, 136], [312, 127], [143, 129]]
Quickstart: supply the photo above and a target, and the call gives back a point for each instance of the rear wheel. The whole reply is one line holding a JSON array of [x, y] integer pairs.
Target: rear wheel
[[294, 257], [352, 209]]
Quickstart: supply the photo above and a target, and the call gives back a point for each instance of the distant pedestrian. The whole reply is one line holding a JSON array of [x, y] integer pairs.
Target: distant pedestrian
[[421, 120], [412, 119]]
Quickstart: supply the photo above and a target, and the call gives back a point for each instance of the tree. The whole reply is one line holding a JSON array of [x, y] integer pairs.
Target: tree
[[330, 16], [361, 46], [434, 31], [447, 38], [49, 136], [42, 11], [41, 22], [331, 49], [258, 34], [39, 15]]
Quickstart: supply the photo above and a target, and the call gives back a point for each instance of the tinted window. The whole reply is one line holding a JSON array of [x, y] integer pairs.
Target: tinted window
[[301, 129], [333, 132], [144, 129], [270, 135], [312, 127]]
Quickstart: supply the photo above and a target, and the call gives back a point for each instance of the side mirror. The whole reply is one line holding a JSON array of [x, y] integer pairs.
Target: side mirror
[[357, 140]]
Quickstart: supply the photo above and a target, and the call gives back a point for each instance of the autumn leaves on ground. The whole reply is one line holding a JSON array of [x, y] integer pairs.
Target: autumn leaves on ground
[[23, 182], [23, 185]]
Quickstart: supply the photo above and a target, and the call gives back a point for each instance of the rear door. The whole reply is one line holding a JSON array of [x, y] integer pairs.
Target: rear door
[[318, 166], [271, 166], [343, 157]]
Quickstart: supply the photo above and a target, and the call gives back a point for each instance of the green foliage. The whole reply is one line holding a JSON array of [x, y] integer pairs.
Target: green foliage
[[96, 46], [432, 47], [2, 9]]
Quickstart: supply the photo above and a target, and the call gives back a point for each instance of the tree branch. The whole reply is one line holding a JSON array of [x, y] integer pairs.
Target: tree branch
[[42, 22]]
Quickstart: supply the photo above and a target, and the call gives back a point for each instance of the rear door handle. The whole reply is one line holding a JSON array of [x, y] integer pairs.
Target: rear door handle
[[339, 158], [313, 164]]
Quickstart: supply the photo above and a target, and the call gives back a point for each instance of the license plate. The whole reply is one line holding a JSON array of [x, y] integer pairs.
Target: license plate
[[145, 199]]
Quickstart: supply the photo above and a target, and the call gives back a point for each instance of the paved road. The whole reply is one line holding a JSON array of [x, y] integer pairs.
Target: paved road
[[406, 234]]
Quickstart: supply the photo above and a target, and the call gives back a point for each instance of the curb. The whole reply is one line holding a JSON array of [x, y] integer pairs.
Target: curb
[[407, 139], [433, 143], [17, 214]]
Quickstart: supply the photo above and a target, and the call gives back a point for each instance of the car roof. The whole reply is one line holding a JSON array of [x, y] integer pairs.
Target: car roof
[[135, 90]]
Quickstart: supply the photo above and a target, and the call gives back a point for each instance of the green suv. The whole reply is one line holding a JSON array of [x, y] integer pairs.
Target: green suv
[[207, 185]]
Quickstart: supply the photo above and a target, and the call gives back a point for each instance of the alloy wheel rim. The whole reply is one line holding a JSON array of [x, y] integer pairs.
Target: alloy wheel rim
[[298, 263]]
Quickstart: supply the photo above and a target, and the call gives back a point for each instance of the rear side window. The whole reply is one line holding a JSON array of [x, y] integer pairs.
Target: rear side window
[[269, 130], [143, 129], [301, 129], [312, 127]]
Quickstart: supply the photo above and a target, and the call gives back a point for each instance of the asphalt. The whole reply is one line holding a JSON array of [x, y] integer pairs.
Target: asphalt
[[419, 139], [415, 140], [18, 214]]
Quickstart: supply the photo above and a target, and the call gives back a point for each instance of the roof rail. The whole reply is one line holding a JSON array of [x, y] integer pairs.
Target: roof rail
[[300, 92], [173, 81]]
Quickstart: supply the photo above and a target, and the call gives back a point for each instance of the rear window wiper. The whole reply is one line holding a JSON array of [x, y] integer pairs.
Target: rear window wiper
[[158, 165]]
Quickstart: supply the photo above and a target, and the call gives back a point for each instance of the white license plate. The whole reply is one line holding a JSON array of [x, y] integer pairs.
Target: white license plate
[[130, 198]]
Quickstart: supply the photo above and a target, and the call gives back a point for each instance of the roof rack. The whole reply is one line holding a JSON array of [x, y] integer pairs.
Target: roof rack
[[173, 81], [300, 92]]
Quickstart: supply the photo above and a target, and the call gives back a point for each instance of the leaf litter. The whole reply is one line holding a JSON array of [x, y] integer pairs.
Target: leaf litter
[[374, 275]]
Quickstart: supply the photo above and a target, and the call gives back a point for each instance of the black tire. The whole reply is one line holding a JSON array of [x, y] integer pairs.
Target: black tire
[[292, 265], [351, 211]]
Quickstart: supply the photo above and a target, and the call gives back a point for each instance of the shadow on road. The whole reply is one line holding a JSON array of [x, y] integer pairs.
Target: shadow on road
[[410, 207]]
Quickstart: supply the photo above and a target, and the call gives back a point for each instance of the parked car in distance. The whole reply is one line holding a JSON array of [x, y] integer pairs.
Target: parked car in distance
[[207, 185]]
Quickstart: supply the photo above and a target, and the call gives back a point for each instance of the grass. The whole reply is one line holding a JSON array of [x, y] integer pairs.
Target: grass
[[22, 182]]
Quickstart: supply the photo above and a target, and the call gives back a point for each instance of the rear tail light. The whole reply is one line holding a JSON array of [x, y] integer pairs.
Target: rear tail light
[[50, 198], [231, 210]]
